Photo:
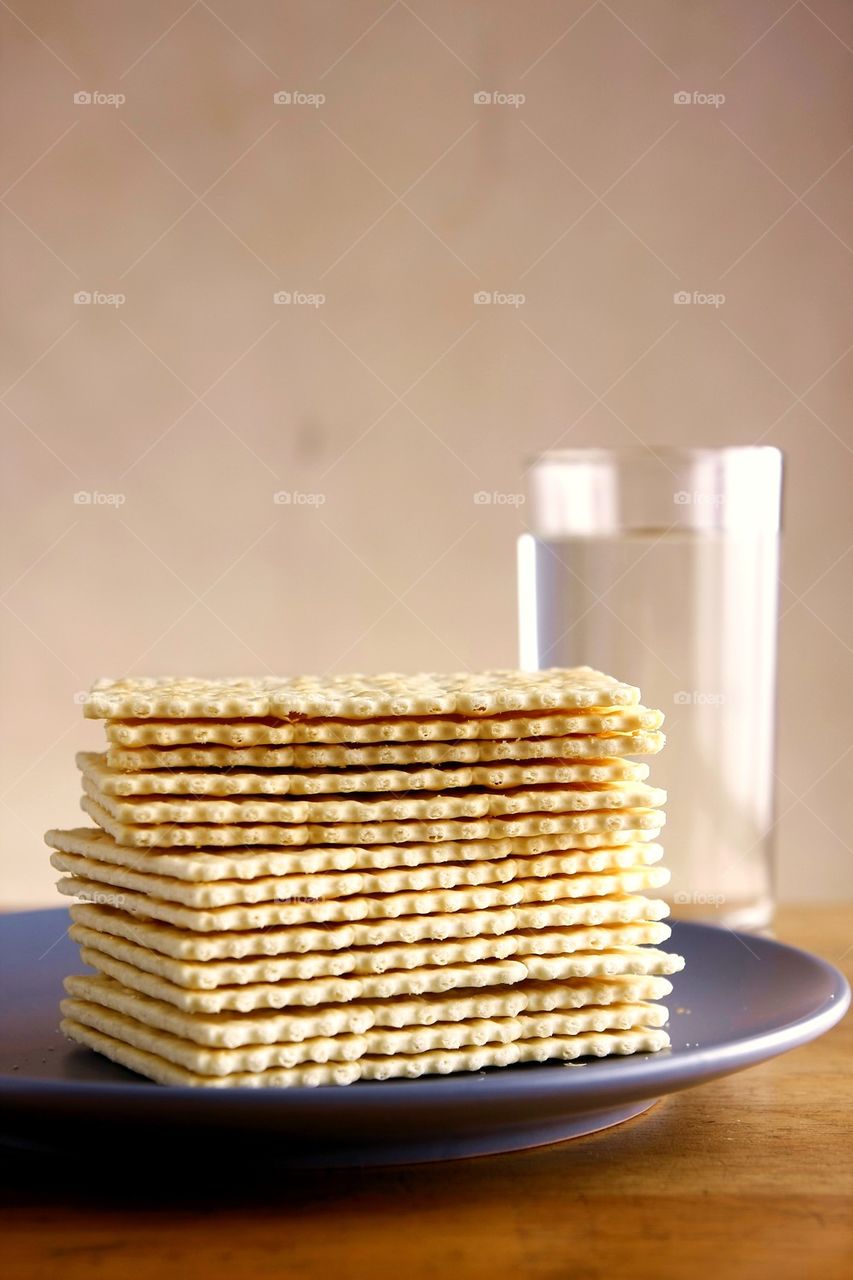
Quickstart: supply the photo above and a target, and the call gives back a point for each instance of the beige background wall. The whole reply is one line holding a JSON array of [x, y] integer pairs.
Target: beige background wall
[[398, 198]]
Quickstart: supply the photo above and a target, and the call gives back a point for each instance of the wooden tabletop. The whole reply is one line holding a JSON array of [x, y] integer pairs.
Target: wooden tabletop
[[751, 1176]]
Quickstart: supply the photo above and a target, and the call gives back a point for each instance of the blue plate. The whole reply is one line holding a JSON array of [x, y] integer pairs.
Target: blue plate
[[741, 999]]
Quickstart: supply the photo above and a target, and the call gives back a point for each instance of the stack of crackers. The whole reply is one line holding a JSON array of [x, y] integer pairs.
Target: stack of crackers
[[315, 881]]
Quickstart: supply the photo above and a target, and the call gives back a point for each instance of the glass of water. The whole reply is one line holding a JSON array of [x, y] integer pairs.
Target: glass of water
[[661, 567]]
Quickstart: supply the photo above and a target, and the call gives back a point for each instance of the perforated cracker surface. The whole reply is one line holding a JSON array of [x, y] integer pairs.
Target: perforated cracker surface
[[270, 1026], [175, 1047], [631, 879], [596, 852], [332, 783], [389, 906], [357, 696], [392, 755], [398, 729], [187, 944], [598, 1044], [609, 951], [228, 835], [207, 975], [462, 803]]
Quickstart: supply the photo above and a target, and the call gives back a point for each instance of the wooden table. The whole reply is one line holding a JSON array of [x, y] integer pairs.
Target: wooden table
[[751, 1176]]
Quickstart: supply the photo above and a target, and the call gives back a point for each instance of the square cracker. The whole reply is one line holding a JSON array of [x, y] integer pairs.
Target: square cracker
[[206, 975], [341, 884], [596, 1043], [187, 944], [536, 856], [599, 952], [518, 894], [227, 835], [198, 747], [372, 808], [331, 783], [270, 1026], [175, 1047], [357, 696]]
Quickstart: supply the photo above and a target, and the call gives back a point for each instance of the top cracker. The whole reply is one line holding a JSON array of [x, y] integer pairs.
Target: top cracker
[[357, 697]]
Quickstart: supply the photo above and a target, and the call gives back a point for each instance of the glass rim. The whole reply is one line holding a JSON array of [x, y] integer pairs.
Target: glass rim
[[591, 453]]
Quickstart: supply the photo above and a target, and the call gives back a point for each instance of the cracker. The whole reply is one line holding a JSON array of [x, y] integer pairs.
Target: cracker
[[463, 803], [573, 862], [146, 1063], [300, 911], [176, 1047], [393, 755], [576, 993], [499, 1002], [319, 782], [206, 975], [227, 835], [633, 879], [598, 1044], [185, 944], [357, 696], [596, 956], [559, 968], [384, 906], [313, 991], [270, 1026], [219, 893], [399, 729], [541, 855]]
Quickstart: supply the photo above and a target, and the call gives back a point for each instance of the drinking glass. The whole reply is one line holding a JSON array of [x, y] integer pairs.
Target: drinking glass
[[660, 566]]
